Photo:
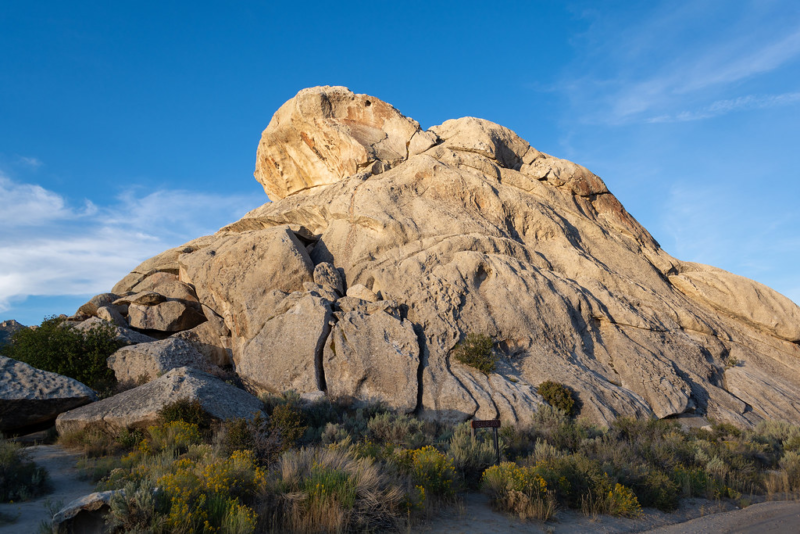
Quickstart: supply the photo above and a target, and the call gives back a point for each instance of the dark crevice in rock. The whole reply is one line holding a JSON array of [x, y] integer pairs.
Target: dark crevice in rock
[[423, 347], [319, 352]]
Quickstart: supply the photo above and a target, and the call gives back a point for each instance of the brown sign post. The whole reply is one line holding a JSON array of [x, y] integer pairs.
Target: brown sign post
[[494, 424]]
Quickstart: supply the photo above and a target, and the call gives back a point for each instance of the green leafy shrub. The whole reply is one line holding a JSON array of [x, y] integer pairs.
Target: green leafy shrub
[[476, 351], [174, 437], [188, 411], [790, 463], [253, 435], [289, 422], [20, 478], [62, 349], [558, 396]]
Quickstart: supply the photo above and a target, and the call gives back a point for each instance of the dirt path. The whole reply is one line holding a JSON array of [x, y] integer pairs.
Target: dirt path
[[60, 464], [695, 516], [763, 518]]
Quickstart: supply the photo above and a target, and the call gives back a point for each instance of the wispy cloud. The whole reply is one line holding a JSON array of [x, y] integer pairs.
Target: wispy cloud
[[706, 225], [722, 107], [30, 162], [49, 247], [677, 56]]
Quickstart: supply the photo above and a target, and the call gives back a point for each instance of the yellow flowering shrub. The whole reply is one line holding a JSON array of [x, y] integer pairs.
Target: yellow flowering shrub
[[519, 490], [433, 471]]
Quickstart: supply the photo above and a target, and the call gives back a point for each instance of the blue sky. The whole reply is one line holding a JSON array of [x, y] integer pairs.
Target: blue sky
[[130, 127]]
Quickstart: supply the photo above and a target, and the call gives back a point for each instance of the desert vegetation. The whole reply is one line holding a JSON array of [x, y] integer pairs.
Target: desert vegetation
[[20, 478], [58, 347], [326, 467]]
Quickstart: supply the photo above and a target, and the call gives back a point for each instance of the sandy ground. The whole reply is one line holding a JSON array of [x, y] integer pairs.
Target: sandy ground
[[695, 516], [66, 488]]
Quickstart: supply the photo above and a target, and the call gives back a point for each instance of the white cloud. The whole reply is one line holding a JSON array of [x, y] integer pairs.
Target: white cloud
[[30, 162], [49, 248], [722, 107], [735, 232]]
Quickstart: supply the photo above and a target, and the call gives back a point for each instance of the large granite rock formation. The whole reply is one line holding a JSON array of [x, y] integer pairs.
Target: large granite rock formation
[[467, 228]]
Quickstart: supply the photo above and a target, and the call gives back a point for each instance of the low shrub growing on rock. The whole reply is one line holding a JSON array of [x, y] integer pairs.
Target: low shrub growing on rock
[[20, 478], [476, 351], [558, 396], [56, 347]]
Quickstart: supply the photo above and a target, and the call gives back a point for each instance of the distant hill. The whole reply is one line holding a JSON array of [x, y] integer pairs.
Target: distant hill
[[7, 329]]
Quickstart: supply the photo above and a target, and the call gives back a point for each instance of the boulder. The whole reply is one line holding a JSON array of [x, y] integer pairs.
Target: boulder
[[287, 353], [208, 341], [138, 407], [123, 334], [359, 291], [143, 298], [169, 316], [86, 515], [373, 358], [110, 314], [90, 308], [239, 278], [30, 396], [329, 278], [147, 361], [325, 134]]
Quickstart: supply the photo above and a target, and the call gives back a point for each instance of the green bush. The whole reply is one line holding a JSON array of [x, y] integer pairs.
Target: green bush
[[476, 351], [398, 429], [253, 435], [288, 421], [20, 478], [188, 411], [558, 396], [62, 349], [470, 455]]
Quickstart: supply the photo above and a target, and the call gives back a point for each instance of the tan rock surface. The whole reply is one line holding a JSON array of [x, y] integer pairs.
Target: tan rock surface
[[147, 361], [169, 316], [473, 230], [373, 358], [325, 134], [138, 407], [286, 354]]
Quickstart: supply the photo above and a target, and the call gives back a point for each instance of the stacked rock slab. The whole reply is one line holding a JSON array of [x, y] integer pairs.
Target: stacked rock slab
[[467, 228], [138, 407]]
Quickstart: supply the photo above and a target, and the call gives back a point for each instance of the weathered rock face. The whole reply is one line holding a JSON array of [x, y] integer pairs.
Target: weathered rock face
[[373, 358], [147, 361], [86, 515], [30, 396], [138, 407], [467, 228], [325, 134]]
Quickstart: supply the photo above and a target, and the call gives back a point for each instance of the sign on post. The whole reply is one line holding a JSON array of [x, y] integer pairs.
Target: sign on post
[[494, 424]]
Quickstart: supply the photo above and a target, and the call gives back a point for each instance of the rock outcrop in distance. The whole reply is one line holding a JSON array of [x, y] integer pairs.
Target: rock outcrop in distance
[[385, 244], [7, 329]]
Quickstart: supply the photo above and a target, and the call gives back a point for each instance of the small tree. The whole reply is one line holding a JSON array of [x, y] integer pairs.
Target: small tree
[[62, 349], [476, 351]]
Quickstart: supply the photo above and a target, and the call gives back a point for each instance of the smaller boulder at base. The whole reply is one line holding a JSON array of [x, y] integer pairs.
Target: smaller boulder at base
[[138, 407], [30, 396], [86, 515]]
